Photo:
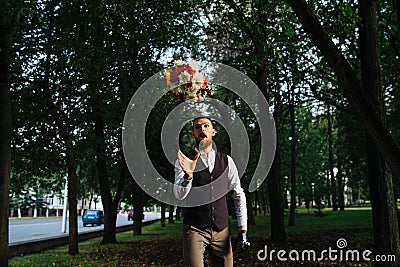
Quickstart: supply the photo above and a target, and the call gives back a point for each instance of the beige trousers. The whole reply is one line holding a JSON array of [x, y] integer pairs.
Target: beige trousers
[[195, 242]]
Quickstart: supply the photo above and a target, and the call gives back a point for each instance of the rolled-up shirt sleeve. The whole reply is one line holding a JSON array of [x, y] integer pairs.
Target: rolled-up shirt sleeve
[[239, 198], [181, 191]]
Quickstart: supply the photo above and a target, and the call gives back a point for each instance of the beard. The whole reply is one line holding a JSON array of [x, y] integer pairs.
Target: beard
[[205, 144]]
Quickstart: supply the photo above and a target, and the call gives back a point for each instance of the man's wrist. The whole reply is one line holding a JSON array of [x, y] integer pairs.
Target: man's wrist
[[188, 177], [243, 227], [186, 180]]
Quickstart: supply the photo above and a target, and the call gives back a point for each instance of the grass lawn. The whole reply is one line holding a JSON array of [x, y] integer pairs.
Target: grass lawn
[[162, 246]]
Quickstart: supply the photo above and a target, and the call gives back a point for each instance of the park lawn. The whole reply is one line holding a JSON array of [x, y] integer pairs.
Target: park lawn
[[163, 246]]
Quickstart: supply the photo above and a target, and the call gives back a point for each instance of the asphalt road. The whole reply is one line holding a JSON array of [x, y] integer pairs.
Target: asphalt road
[[23, 230]]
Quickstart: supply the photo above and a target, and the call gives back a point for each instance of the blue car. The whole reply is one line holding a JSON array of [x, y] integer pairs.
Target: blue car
[[93, 217]]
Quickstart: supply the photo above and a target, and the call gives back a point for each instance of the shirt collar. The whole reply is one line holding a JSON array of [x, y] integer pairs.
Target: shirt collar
[[212, 151], [209, 156]]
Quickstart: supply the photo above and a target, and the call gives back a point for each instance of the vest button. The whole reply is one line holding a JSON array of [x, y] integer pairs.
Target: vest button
[[213, 208], [213, 218]]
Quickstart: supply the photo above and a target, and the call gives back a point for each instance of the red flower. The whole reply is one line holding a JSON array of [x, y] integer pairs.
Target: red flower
[[205, 84], [177, 71], [189, 70]]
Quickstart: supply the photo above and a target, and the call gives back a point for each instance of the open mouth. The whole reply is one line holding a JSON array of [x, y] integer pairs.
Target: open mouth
[[203, 135]]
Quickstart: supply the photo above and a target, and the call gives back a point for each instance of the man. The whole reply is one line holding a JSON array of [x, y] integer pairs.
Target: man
[[207, 225]]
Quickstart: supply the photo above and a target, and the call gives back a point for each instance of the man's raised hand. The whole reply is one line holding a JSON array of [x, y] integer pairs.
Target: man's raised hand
[[187, 164]]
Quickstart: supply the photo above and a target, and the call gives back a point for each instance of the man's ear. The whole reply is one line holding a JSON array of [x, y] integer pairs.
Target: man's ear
[[214, 132], [193, 134]]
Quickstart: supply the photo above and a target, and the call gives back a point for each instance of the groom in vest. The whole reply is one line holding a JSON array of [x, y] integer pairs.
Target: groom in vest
[[207, 225]]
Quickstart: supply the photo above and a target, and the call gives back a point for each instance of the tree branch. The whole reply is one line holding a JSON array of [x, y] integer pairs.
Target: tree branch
[[393, 38]]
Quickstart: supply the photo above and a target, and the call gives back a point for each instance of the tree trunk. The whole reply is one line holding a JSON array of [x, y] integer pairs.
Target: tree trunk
[[263, 195], [171, 214], [110, 211], [384, 208], [90, 200], [109, 234], [162, 214], [139, 198], [278, 233], [83, 204], [62, 127], [72, 202], [327, 183], [250, 213], [137, 216], [331, 161], [293, 161], [307, 201], [273, 180], [178, 213], [340, 184], [8, 26], [5, 167], [284, 200], [73, 248]]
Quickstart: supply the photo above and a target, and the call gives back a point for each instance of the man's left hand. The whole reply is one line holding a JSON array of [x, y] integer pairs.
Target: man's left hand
[[243, 240]]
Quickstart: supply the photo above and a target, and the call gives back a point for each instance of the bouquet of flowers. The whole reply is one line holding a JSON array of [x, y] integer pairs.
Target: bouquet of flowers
[[187, 82]]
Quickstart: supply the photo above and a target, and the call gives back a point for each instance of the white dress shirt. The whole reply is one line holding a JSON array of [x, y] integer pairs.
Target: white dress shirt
[[239, 198]]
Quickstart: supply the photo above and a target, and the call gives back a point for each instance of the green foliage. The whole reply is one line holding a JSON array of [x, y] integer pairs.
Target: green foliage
[[90, 56]]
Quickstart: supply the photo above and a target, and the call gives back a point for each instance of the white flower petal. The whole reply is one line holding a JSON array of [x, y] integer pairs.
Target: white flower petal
[[194, 65], [184, 77], [179, 62]]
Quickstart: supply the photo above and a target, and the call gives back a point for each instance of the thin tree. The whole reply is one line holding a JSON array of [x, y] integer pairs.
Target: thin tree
[[9, 22], [340, 183], [292, 159], [331, 160]]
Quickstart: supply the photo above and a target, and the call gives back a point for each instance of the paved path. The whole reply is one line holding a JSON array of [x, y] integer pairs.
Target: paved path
[[25, 230]]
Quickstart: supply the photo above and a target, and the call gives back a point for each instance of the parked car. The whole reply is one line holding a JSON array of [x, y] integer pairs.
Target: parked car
[[131, 213], [93, 217]]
